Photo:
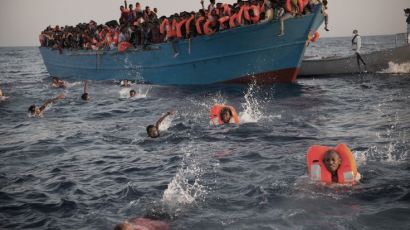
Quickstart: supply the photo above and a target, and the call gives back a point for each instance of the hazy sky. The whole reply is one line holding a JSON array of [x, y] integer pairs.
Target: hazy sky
[[21, 21]]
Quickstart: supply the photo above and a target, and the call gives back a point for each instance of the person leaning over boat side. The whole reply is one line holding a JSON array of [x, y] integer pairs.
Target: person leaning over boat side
[[85, 95], [153, 130], [357, 45], [36, 111]]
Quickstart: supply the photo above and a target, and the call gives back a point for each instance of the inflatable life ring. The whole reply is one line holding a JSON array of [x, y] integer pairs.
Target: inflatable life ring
[[123, 46], [347, 172], [315, 37], [216, 111]]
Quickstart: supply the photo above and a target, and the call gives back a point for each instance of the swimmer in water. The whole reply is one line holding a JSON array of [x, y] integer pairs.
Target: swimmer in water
[[85, 95], [332, 162], [2, 96], [38, 111], [124, 83], [153, 130], [58, 83], [223, 114], [132, 93], [153, 221]]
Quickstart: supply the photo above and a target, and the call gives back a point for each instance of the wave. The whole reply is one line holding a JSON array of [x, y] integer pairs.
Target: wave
[[397, 68]]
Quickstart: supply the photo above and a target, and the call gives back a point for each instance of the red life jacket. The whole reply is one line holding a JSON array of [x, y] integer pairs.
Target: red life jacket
[[317, 170], [179, 27], [198, 24], [188, 25]]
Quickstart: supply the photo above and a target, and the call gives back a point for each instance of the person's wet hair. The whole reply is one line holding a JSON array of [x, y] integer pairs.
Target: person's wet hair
[[32, 109], [84, 96], [225, 110]]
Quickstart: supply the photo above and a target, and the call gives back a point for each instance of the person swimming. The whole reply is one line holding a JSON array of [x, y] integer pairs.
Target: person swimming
[[153, 130], [223, 114], [154, 220], [36, 111], [2, 96], [132, 93], [58, 83], [332, 165], [125, 83], [85, 95]]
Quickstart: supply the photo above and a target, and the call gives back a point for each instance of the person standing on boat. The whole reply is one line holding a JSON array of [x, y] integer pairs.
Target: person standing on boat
[[357, 44]]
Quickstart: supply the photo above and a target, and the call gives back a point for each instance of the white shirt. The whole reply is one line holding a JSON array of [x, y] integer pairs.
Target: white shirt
[[357, 44]]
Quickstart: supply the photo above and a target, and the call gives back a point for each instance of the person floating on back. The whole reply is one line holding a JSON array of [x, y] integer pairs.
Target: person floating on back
[[58, 83], [153, 130], [36, 111], [223, 114], [357, 45], [332, 165], [85, 95]]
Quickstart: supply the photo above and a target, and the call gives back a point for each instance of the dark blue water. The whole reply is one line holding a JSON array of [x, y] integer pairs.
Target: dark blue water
[[89, 165]]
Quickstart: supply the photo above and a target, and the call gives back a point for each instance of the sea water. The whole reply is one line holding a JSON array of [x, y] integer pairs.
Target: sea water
[[90, 165]]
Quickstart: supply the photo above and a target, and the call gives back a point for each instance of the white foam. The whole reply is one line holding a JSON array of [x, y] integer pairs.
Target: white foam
[[251, 107], [397, 68], [165, 124], [186, 186], [3, 98]]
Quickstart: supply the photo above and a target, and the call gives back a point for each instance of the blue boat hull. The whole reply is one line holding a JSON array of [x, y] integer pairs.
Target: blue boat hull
[[239, 55]]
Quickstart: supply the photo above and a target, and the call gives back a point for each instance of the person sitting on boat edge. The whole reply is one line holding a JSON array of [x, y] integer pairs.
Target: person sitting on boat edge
[[85, 95], [58, 83], [332, 165], [153, 130], [36, 111], [223, 114]]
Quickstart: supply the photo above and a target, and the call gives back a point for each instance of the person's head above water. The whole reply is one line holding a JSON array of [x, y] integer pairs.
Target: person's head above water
[[33, 109], [85, 97], [332, 161], [225, 115], [152, 131], [132, 93], [355, 31]]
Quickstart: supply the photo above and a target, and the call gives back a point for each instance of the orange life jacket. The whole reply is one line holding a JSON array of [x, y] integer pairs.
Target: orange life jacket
[[216, 118], [245, 10], [123, 46], [163, 26], [116, 37], [317, 171], [198, 24], [256, 14], [227, 9], [188, 25], [288, 5], [222, 22], [232, 20], [207, 29], [179, 27]]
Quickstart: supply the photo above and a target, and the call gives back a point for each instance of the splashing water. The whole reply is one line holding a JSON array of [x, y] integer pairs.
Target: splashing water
[[166, 123], [251, 107], [186, 186], [141, 92], [397, 68]]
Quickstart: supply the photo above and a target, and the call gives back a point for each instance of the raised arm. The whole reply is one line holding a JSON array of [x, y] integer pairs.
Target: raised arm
[[59, 97], [202, 3], [125, 4], [162, 119], [85, 86]]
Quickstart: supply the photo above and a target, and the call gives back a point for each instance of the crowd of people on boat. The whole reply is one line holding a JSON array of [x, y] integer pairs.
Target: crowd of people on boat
[[140, 27]]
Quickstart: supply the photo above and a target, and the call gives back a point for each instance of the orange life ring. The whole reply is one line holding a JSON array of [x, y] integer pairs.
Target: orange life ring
[[188, 25], [315, 37], [215, 114], [123, 46], [317, 171]]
